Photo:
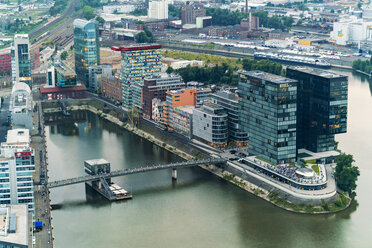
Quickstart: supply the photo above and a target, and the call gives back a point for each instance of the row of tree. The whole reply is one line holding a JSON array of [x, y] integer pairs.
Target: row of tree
[[278, 22], [139, 12], [346, 173], [224, 17], [363, 65], [145, 36], [225, 73]]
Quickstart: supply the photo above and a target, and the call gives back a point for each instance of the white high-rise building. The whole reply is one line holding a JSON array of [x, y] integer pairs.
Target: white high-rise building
[[21, 59], [158, 9], [16, 168], [20, 106]]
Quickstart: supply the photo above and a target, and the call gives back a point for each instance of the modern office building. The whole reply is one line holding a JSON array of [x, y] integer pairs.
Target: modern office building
[[156, 86], [64, 76], [158, 9], [15, 226], [17, 165], [86, 45], [321, 107], [21, 59], [20, 106], [267, 112], [137, 62], [96, 73], [230, 103], [182, 120], [203, 95], [174, 99], [209, 124]]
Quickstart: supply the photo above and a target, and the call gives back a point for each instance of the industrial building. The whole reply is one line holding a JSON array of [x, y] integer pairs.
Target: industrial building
[[86, 47], [351, 31], [209, 124], [190, 11], [268, 114], [137, 62], [321, 107]]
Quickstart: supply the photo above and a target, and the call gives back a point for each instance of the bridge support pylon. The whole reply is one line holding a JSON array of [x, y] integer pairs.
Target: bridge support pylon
[[174, 174]]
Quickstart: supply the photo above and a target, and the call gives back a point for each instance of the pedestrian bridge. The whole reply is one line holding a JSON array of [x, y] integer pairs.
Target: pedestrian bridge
[[131, 171]]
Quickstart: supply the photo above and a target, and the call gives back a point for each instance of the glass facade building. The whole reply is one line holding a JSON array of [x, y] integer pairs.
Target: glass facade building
[[21, 59], [209, 123], [86, 45], [267, 112], [137, 62], [230, 102], [322, 107]]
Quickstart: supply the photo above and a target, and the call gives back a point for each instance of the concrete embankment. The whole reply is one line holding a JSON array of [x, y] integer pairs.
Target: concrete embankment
[[228, 172]]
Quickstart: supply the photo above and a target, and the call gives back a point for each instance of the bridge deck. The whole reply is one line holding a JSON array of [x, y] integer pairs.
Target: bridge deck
[[124, 172]]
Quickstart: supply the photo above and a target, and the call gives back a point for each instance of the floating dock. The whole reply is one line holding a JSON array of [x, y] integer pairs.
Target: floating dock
[[105, 187]]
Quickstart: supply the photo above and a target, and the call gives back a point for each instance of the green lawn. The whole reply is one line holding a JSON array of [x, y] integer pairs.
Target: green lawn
[[315, 168]]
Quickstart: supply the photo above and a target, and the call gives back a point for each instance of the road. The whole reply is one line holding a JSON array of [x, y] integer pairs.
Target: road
[[45, 28], [44, 238]]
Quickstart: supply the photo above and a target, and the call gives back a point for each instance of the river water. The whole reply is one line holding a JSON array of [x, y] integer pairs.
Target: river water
[[199, 210]]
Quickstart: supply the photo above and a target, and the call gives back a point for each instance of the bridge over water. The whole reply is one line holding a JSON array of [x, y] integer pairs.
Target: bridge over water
[[130, 171]]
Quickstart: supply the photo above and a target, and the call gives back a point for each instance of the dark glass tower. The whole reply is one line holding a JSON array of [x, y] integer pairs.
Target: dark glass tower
[[321, 108], [267, 112]]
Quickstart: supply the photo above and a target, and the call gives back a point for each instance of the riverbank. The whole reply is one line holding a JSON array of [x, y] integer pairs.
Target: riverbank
[[183, 151]]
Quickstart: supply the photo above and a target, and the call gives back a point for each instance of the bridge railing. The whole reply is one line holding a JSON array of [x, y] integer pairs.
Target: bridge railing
[[130, 171]]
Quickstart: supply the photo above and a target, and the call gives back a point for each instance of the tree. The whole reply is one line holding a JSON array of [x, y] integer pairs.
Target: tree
[[139, 12], [2, 73], [88, 12], [64, 55], [100, 20], [170, 70], [346, 174], [145, 36]]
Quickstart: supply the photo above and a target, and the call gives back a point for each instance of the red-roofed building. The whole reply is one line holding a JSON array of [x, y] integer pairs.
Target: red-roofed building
[[56, 93]]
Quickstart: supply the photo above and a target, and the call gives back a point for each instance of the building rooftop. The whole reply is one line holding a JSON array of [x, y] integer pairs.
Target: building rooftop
[[44, 90], [97, 161], [227, 94], [316, 72], [187, 108], [18, 136], [14, 224], [81, 23], [136, 47], [268, 77], [211, 108], [64, 69], [21, 87]]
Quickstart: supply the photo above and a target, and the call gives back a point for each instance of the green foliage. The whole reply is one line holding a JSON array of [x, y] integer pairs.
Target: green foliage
[[311, 161], [278, 22], [224, 69], [363, 65], [174, 11], [139, 12], [20, 26], [169, 70], [58, 7], [315, 168], [224, 17], [100, 20], [346, 174], [64, 55], [262, 65], [289, 5], [145, 36], [88, 12], [90, 3]]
